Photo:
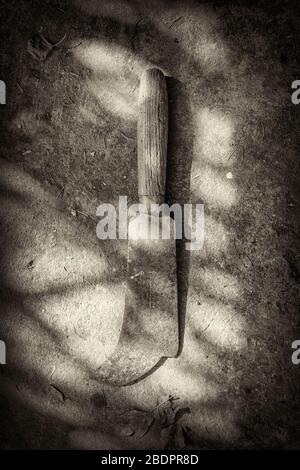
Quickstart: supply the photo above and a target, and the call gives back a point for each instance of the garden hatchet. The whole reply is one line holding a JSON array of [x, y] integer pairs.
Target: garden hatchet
[[150, 326]]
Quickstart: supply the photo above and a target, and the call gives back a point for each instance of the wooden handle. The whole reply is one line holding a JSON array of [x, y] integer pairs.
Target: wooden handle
[[152, 136]]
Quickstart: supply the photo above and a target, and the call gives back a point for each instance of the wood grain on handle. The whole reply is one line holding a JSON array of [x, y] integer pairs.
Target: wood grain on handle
[[152, 136]]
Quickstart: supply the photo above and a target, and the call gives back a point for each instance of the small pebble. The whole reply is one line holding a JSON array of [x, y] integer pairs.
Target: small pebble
[[30, 265], [127, 431], [229, 175]]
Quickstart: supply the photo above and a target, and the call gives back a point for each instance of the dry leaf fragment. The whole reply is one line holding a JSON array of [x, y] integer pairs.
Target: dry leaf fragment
[[179, 438], [148, 422], [127, 431], [39, 47], [30, 265]]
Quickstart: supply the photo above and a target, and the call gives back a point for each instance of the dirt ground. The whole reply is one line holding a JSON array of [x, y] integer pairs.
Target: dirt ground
[[68, 143]]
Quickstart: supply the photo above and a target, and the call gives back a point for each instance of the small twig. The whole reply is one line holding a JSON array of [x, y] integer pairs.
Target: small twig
[[140, 273], [134, 88], [182, 276], [77, 333], [104, 139], [24, 126], [69, 104], [206, 328], [187, 147], [86, 214], [30, 265], [83, 213]]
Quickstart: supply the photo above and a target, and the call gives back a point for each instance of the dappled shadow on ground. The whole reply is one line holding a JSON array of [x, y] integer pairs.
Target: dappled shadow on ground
[[68, 140]]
